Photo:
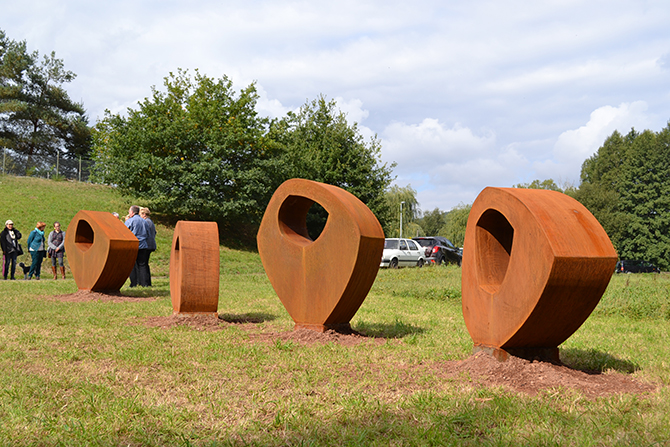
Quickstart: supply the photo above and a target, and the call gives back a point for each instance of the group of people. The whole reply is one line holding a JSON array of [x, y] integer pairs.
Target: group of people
[[53, 246], [38, 246], [141, 225]]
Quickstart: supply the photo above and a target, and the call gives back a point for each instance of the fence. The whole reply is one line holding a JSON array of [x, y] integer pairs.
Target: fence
[[46, 166]]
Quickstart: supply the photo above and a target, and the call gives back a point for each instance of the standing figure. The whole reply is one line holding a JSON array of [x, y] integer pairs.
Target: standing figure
[[151, 237], [36, 250], [9, 240], [138, 226], [56, 250]]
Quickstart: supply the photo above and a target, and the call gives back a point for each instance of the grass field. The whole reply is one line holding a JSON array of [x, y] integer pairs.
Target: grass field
[[93, 373]]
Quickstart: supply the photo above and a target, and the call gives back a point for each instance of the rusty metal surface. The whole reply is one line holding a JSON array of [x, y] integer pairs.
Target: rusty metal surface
[[101, 251], [194, 268], [535, 265], [321, 283]]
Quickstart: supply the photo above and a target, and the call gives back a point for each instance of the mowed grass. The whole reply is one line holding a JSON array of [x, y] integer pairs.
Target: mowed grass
[[93, 373]]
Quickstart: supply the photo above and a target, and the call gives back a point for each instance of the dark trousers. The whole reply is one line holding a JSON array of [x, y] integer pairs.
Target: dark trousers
[[141, 275], [36, 266], [9, 259]]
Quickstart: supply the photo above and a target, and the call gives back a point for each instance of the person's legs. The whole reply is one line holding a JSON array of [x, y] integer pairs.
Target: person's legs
[[53, 267], [4, 266], [142, 265], [61, 264], [38, 269], [12, 261], [33, 265]]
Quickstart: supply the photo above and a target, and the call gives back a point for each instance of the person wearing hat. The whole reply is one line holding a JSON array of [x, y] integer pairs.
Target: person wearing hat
[[36, 249], [11, 249]]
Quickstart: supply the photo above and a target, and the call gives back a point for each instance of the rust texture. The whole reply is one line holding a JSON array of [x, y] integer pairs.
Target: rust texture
[[101, 251], [535, 265], [321, 282], [194, 268]]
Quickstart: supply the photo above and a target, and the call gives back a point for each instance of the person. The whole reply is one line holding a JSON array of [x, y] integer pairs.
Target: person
[[138, 226], [115, 214], [56, 251], [151, 237], [36, 250], [9, 240]]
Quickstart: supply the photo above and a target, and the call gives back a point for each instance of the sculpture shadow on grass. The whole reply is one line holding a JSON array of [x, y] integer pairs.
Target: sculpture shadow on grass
[[145, 292], [249, 317], [592, 361], [398, 329]]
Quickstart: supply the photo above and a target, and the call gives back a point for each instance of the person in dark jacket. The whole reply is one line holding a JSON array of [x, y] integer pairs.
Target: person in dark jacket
[[56, 250], [37, 250], [9, 240]]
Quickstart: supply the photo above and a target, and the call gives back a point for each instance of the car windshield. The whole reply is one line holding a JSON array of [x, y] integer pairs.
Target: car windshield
[[391, 244]]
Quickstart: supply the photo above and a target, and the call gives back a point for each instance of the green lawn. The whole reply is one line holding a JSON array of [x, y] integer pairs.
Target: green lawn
[[93, 373]]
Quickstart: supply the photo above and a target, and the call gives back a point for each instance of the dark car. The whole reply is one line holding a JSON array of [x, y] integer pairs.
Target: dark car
[[628, 266], [439, 250]]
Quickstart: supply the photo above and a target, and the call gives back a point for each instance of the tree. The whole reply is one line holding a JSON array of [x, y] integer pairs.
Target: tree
[[410, 211], [318, 144], [432, 221], [455, 222], [37, 117], [548, 184], [626, 185], [196, 150]]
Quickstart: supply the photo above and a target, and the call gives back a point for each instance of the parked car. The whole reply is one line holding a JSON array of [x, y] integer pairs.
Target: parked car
[[439, 250], [402, 253], [628, 266]]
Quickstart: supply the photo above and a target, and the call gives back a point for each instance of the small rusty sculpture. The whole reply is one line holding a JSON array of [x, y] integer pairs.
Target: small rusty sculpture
[[321, 282], [101, 251], [535, 265], [194, 268]]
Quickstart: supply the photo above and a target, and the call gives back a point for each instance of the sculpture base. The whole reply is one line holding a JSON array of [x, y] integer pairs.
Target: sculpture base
[[195, 314], [342, 328], [502, 354]]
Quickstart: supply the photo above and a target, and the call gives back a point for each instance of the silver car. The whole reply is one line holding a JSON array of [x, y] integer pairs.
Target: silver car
[[402, 253]]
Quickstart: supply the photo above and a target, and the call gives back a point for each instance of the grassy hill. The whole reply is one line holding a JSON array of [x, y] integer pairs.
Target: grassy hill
[[27, 200]]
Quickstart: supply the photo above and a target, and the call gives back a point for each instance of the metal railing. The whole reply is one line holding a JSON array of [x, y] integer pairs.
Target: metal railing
[[46, 166]]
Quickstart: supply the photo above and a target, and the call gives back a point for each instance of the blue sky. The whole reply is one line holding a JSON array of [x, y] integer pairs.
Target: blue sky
[[462, 95]]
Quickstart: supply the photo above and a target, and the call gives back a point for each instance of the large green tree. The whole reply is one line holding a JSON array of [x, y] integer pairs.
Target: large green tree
[[456, 221], [195, 150], [37, 117], [319, 144], [626, 185]]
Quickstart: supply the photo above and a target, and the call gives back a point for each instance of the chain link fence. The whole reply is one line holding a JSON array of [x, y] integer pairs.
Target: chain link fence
[[46, 166]]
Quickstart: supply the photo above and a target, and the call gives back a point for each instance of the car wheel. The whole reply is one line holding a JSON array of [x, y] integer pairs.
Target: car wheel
[[419, 263], [394, 263]]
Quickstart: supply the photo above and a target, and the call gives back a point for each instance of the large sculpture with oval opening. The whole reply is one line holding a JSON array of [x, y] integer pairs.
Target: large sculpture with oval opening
[[535, 265], [321, 282], [101, 251], [194, 268]]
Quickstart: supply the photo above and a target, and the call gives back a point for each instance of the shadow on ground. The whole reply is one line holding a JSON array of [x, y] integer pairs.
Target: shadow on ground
[[398, 329], [250, 317], [593, 361]]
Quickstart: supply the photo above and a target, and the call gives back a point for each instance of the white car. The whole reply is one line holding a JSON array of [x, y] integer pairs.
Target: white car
[[402, 253]]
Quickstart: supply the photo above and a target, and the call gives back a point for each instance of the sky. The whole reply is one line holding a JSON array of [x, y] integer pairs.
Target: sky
[[462, 95]]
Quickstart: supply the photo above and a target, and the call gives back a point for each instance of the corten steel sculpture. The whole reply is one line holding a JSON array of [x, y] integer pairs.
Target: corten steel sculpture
[[321, 282], [194, 268], [535, 265], [101, 251]]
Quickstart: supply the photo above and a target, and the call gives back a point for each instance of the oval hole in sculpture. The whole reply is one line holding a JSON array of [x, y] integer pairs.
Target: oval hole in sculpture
[[494, 236], [301, 219], [83, 236]]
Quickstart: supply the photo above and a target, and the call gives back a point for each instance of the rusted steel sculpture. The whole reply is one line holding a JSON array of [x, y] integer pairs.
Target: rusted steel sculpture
[[535, 265], [101, 251], [321, 282], [194, 268]]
